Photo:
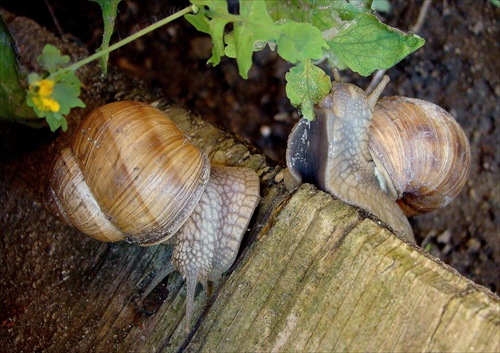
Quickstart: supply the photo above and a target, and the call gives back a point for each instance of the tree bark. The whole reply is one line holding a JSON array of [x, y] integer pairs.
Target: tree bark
[[312, 275]]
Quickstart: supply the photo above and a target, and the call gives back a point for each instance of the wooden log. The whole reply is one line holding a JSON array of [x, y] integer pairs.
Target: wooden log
[[312, 275], [322, 279]]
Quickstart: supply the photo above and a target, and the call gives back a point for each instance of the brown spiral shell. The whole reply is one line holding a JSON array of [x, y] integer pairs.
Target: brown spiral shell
[[420, 151], [129, 174]]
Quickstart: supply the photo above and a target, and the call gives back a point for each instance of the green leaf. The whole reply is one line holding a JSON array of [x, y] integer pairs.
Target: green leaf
[[322, 13], [255, 25], [365, 44], [12, 93], [252, 28], [67, 91], [347, 9], [51, 58], [109, 10], [56, 121], [300, 41], [33, 77], [211, 18], [303, 30], [306, 85]]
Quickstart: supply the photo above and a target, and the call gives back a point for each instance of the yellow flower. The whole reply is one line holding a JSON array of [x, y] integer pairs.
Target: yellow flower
[[46, 87], [42, 91]]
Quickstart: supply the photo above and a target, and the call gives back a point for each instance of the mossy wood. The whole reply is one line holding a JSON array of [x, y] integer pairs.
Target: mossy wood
[[312, 275]]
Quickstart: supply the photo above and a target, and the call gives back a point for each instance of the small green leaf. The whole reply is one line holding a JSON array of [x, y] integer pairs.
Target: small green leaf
[[56, 121], [365, 44], [109, 10], [255, 25], [300, 41], [230, 50], [306, 85], [51, 58], [33, 77], [211, 18], [67, 91]]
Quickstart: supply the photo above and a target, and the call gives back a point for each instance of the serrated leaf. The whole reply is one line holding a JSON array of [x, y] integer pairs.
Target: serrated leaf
[[365, 44], [230, 49], [56, 121], [66, 98], [66, 92], [255, 26], [51, 58], [210, 19], [306, 85]]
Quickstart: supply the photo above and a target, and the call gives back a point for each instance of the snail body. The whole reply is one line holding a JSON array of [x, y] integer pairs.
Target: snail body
[[371, 154], [130, 174]]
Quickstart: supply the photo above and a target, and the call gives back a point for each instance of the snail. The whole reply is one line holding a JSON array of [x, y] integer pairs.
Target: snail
[[130, 174], [370, 154]]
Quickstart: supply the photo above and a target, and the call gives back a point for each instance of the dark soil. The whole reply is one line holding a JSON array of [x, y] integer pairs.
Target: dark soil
[[457, 69]]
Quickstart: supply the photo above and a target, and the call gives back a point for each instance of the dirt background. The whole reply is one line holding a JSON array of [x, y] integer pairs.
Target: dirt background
[[457, 69]]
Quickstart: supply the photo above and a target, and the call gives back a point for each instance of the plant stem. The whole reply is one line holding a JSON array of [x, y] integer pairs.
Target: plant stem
[[129, 39]]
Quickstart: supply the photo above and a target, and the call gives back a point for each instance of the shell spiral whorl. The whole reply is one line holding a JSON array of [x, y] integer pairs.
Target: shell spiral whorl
[[422, 152]]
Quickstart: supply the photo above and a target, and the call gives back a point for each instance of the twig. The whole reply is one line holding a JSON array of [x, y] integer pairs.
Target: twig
[[421, 16], [54, 18]]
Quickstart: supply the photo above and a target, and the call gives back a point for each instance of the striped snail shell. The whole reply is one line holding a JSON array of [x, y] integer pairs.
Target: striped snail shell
[[421, 153], [130, 174]]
